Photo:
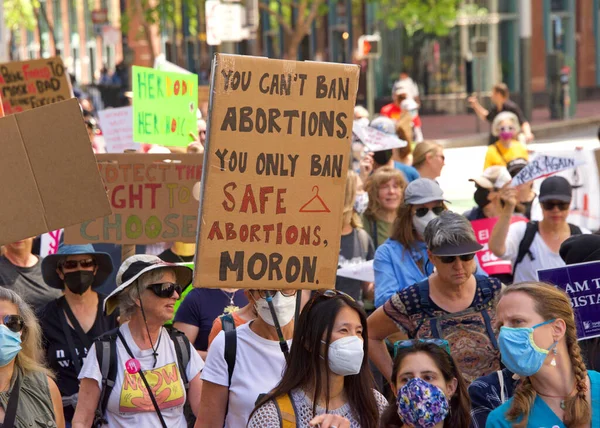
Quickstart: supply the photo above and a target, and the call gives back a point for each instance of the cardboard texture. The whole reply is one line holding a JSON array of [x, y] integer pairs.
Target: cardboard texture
[[25, 85], [164, 107], [275, 173], [154, 198], [48, 172]]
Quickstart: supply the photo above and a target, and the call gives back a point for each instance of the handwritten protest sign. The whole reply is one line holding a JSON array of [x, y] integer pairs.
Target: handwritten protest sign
[[491, 264], [582, 283], [164, 107], [49, 242], [376, 140], [154, 198], [362, 271], [25, 85], [542, 166], [117, 129], [275, 173]]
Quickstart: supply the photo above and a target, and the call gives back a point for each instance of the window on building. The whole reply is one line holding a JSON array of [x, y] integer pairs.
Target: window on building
[[558, 5]]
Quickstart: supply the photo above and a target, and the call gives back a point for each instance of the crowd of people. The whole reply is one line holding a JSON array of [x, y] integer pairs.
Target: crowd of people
[[434, 341]]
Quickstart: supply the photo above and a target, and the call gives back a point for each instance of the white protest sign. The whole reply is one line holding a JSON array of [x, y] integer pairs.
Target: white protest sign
[[117, 129], [542, 166], [49, 242], [362, 271], [376, 140]]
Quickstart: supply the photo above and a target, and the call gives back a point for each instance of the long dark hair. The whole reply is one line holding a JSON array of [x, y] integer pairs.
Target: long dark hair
[[460, 404], [306, 365]]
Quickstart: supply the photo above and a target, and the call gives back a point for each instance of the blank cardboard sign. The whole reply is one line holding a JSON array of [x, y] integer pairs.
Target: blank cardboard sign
[[275, 173], [48, 173]]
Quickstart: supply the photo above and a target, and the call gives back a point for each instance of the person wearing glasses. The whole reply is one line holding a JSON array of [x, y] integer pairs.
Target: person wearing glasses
[[28, 395], [149, 389], [327, 380], [535, 245], [429, 159], [72, 322], [453, 303], [246, 362], [430, 389], [507, 148]]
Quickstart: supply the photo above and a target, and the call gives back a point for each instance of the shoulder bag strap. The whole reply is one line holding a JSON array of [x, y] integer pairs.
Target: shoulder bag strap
[[106, 354], [501, 382], [82, 336], [287, 412], [182, 350], [530, 230], [141, 373], [230, 352], [69, 337], [500, 153], [374, 231], [13, 401]]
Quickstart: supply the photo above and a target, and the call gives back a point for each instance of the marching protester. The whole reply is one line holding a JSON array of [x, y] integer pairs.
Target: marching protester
[[538, 342], [21, 271], [232, 380], [327, 378], [452, 303], [534, 245], [385, 188], [405, 84], [393, 109], [487, 193], [402, 260], [72, 322], [141, 374], [28, 395], [431, 392], [507, 149], [429, 159]]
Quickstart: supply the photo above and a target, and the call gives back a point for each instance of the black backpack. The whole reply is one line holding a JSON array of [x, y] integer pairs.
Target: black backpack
[[106, 353]]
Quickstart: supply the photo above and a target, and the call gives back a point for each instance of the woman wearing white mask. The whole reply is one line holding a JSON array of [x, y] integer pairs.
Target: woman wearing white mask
[[247, 362], [327, 381]]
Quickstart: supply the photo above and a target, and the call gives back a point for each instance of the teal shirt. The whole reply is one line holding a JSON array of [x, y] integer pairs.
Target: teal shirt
[[541, 416]]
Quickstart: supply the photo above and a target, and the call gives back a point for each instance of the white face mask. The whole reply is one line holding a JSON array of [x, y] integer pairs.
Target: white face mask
[[285, 308], [420, 223], [361, 202], [346, 355]]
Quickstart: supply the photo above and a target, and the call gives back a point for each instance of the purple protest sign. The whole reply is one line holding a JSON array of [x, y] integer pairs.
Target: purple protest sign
[[582, 283]]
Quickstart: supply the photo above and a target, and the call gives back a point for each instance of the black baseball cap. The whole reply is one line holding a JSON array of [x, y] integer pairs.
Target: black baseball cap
[[556, 188]]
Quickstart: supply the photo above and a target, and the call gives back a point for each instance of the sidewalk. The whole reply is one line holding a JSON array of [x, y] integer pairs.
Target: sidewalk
[[460, 130]]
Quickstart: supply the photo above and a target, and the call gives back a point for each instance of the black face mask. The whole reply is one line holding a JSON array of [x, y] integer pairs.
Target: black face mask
[[382, 157], [481, 197], [79, 281]]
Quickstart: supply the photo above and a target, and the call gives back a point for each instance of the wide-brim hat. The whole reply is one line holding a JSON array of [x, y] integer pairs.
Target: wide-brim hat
[[50, 264], [136, 266]]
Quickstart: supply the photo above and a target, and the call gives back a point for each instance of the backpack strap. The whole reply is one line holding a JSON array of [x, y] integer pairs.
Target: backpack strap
[[530, 230], [227, 322], [425, 303], [230, 351], [486, 286], [106, 354], [286, 411], [575, 230], [182, 350]]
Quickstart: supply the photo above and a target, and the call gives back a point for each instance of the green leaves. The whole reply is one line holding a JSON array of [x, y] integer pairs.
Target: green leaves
[[431, 16], [20, 13]]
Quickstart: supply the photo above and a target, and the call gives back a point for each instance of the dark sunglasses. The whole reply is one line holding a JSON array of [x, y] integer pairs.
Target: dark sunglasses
[[549, 205], [506, 128], [84, 264], [402, 344], [165, 289], [285, 293], [421, 212], [14, 323], [450, 259], [325, 294]]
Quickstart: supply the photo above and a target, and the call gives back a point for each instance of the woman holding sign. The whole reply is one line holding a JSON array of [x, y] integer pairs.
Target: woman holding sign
[[538, 342]]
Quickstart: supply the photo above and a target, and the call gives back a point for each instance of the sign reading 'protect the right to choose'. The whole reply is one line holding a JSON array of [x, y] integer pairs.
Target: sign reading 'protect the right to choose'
[[275, 173]]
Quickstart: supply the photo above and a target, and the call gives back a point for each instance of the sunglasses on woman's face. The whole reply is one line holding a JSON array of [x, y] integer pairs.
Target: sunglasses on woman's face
[[285, 293], [165, 290], [84, 264], [421, 212], [549, 205], [450, 259], [14, 323], [506, 128]]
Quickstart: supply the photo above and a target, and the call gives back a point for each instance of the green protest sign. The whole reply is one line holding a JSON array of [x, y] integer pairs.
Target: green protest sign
[[164, 107]]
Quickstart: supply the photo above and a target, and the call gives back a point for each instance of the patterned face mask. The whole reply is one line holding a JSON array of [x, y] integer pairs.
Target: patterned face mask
[[421, 405]]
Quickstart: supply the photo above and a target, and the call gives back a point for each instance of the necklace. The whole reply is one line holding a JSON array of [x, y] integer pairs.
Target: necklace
[[562, 397], [232, 306]]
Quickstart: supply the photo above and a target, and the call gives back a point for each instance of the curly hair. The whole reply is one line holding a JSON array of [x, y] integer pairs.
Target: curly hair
[[378, 178]]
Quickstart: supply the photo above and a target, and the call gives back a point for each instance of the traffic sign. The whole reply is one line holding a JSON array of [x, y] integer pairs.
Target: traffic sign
[[369, 46]]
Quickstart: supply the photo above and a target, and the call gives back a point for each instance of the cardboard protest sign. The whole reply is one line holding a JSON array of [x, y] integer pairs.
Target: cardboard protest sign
[[273, 185], [362, 271], [491, 264], [117, 129], [48, 172], [376, 140], [164, 107], [542, 166], [154, 198], [25, 85], [582, 283]]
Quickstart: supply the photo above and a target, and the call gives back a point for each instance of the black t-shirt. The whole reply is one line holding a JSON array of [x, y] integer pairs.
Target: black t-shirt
[[507, 106], [354, 248], [57, 350], [170, 257]]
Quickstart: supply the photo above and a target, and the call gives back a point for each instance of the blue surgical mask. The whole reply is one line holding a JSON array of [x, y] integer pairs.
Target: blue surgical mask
[[10, 345], [519, 352]]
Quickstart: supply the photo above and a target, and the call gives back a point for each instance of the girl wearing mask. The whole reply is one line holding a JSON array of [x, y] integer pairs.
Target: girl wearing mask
[[431, 392], [538, 342], [507, 148], [327, 380], [28, 395], [429, 159], [402, 260], [229, 393], [385, 188]]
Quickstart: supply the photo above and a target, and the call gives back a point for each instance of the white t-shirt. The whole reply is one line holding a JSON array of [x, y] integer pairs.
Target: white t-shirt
[[545, 258], [259, 365], [129, 404]]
